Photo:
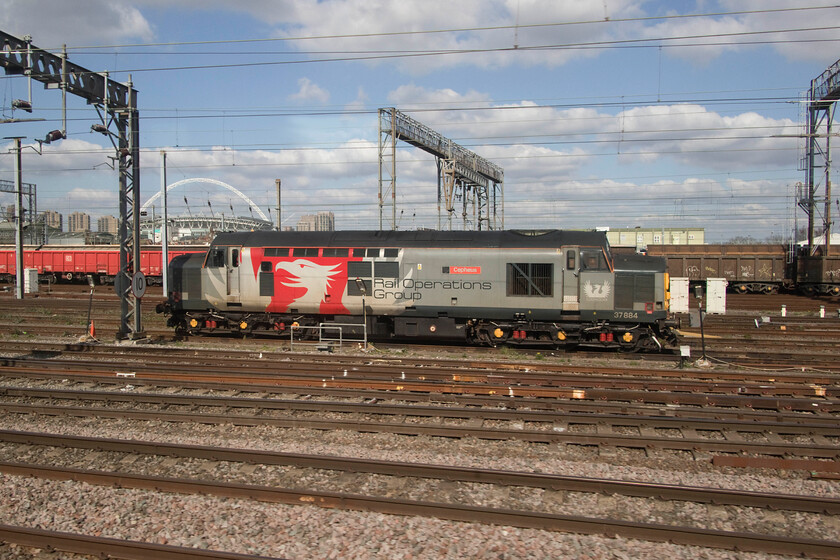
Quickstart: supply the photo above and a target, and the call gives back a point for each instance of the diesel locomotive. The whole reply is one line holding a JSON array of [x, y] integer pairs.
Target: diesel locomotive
[[556, 288]]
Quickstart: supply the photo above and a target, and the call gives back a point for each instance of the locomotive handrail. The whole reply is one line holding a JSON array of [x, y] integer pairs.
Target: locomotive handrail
[[322, 327]]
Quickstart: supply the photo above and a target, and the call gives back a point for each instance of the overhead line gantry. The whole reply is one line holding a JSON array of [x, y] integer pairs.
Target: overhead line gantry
[[822, 96], [116, 104], [462, 174]]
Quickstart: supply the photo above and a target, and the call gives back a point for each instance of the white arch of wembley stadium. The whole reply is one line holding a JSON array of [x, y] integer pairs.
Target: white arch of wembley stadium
[[232, 189]]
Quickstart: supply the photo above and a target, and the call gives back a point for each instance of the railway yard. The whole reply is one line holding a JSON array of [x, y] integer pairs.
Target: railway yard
[[223, 447]]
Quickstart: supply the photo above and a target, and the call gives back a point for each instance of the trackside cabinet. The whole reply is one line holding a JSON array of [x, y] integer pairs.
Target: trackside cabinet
[[679, 295], [716, 295]]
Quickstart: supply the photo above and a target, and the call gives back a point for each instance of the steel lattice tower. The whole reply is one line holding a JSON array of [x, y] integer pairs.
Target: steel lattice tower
[[116, 104], [461, 174], [822, 96]]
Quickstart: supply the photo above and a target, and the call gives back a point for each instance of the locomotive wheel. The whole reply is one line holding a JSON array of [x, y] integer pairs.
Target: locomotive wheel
[[484, 338], [631, 348], [645, 342]]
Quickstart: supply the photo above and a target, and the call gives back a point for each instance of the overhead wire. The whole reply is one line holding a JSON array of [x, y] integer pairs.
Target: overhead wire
[[518, 25], [656, 41], [598, 44]]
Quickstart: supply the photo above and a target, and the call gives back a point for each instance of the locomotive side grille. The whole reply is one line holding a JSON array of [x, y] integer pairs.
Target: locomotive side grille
[[631, 288], [266, 283], [624, 290], [530, 279]]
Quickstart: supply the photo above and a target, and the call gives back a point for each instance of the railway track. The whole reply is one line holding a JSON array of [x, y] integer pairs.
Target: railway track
[[534, 379], [780, 438], [103, 547], [62, 386], [562, 404], [741, 337], [745, 349], [446, 362], [219, 471], [578, 404]]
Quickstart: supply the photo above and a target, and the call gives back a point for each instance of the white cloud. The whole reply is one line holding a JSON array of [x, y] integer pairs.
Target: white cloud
[[412, 96], [52, 23], [254, 172], [358, 104], [310, 92], [72, 153], [412, 27], [695, 136], [403, 32], [500, 25], [689, 134], [778, 27]]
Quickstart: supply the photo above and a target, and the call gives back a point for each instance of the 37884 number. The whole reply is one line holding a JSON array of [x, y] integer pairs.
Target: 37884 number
[[625, 315]]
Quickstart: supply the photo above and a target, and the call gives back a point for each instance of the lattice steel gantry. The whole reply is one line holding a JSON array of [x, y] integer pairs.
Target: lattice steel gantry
[[462, 174], [823, 94], [117, 105]]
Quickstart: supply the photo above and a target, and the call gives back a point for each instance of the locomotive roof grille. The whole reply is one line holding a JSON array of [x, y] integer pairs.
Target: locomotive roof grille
[[445, 239]]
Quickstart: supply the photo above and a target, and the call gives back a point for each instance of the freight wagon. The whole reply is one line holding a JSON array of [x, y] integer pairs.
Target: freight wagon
[[75, 262], [754, 268]]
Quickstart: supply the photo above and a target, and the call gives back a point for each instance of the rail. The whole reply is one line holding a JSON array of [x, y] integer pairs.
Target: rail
[[741, 541], [104, 547]]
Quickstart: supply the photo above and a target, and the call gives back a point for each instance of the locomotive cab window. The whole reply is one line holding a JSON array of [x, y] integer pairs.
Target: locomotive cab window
[[530, 279], [234, 258], [570, 260], [216, 258], [593, 259]]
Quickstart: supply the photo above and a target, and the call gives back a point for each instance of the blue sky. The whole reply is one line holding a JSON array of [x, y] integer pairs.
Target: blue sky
[[616, 113]]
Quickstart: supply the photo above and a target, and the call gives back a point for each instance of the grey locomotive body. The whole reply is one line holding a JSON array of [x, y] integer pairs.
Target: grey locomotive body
[[553, 287]]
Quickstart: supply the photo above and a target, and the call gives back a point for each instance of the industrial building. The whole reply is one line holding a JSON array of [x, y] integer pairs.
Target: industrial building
[[322, 221], [639, 238]]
